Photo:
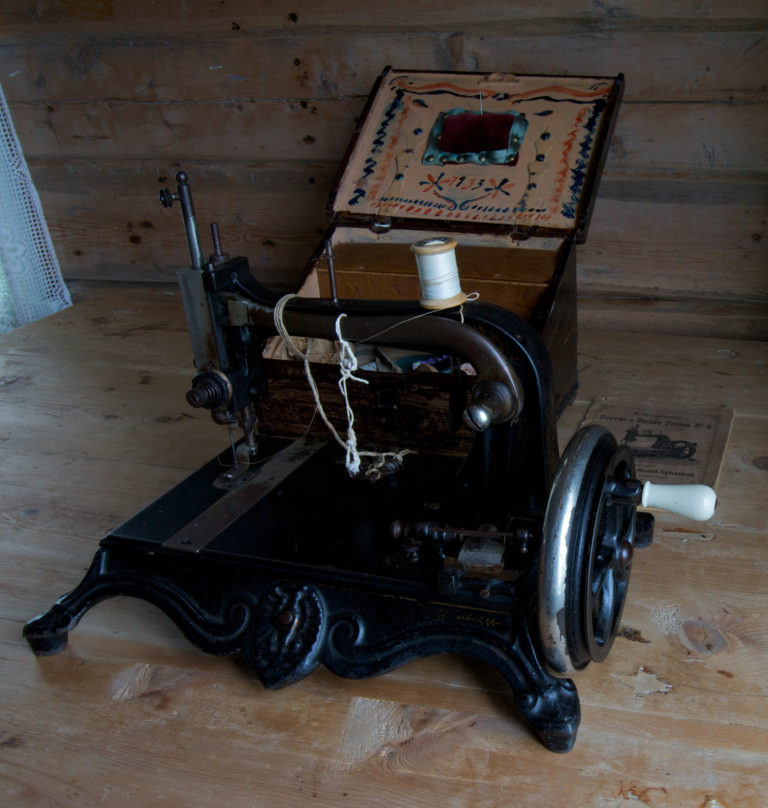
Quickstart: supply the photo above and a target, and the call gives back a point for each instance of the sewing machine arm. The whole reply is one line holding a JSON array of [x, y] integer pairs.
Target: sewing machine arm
[[510, 406]]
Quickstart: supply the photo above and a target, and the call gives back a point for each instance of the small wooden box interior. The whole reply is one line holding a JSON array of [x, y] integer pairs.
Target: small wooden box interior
[[512, 273]]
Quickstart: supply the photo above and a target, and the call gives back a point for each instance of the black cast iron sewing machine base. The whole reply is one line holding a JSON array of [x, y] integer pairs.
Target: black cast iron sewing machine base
[[291, 587]]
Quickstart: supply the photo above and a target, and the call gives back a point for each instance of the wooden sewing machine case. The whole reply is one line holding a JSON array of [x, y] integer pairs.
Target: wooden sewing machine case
[[506, 164]]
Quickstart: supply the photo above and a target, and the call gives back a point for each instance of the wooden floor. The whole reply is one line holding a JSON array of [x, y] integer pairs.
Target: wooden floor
[[94, 425]]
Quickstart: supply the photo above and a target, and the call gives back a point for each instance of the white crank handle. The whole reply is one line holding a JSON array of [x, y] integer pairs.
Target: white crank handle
[[694, 501]]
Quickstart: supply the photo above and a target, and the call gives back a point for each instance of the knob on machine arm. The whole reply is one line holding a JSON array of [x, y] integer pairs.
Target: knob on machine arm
[[184, 196]]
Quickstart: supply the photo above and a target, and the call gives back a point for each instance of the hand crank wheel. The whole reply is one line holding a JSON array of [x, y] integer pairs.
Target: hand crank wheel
[[586, 552]]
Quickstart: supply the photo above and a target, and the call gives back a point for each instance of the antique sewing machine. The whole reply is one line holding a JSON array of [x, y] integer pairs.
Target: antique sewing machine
[[435, 513]]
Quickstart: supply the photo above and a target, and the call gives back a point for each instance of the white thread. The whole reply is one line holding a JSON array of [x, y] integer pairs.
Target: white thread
[[347, 367], [277, 315], [438, 272], [472, 296]]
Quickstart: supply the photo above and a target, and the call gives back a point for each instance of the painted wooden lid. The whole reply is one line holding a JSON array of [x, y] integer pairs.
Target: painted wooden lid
[[486, 151]]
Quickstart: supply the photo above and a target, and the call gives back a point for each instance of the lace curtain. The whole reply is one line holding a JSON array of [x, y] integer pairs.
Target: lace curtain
[[31, 285]]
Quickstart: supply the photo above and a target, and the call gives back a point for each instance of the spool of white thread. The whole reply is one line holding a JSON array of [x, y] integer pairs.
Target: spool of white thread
[[438, 272]]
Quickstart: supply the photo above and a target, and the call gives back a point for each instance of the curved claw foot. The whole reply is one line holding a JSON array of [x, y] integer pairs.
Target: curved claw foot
[[48, 633], [217, 624], [553, 715]]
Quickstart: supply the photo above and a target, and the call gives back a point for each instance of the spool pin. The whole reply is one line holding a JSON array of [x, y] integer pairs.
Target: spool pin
[[438, 272]]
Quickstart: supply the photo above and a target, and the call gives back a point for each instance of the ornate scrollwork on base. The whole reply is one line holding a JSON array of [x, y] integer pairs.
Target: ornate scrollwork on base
[[284, 628], [550, 706], [218, 630], [287, 634]]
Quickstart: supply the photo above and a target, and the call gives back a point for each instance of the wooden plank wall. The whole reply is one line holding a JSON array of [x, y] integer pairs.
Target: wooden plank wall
[[257, 102]]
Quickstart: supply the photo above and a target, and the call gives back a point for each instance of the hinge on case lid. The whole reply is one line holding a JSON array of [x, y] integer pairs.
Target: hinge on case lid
[[381, 224], [516, 234]]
